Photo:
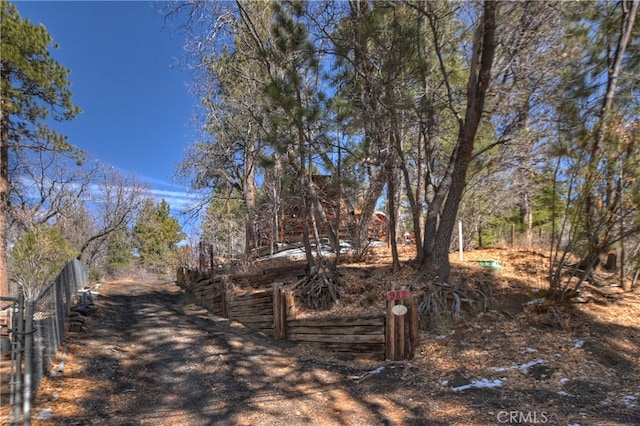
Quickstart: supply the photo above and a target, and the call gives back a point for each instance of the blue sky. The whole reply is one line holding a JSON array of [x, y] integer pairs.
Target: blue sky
[[127, 77]]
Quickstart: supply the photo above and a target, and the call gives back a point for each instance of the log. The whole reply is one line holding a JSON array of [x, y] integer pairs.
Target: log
[[279, 312], [350, 330], [233, 306], [248, 313], [259, 326], [251, 318], [336, 322], [349, 347], [364, 338]]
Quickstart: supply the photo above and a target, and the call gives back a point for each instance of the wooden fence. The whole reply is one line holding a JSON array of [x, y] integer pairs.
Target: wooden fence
[[268, 306]]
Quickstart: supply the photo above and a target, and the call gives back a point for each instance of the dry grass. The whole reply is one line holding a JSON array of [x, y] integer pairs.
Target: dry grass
[[575, 363]]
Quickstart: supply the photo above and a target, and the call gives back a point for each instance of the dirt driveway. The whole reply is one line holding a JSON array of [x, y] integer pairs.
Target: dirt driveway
[[149, 356]]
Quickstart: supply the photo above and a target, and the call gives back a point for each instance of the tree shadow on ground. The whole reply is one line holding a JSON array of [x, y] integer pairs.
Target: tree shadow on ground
[[151, 356]]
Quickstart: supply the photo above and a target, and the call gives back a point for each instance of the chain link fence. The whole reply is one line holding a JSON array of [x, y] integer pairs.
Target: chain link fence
[[50, 311], [37, 333]]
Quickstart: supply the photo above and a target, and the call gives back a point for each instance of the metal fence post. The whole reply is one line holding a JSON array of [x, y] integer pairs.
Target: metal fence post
[[28, 362], [18, 341]]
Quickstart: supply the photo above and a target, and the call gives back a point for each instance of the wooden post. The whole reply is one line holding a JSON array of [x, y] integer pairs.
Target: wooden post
[[460, 240], [290, 300], [414, 326], [401, 334], [211, 260], [224, 301], [200, 256], [390, 332], [401, 330], [279, 312]]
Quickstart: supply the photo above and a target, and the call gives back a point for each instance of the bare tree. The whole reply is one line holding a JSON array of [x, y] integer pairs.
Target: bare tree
[[114, 202], [601, 152]]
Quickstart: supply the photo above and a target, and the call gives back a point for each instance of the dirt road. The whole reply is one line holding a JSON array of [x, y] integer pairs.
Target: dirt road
[[149, 356]]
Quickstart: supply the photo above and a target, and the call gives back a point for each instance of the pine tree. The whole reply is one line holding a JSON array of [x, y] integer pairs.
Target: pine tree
[[156, 235], [34, 88]]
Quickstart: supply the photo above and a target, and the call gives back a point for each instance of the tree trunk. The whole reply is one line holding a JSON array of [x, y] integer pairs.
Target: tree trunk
[[526, 216], [437, 251], [371, 197], [369, 99], [594, 229], [249, 194], [392, 212], [4, 194]]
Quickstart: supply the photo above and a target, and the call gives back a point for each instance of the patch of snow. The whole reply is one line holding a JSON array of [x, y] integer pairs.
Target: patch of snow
[[562, 393], [564, 380], [288, 253], [377, 244], [528, 350], [480, 384], [629, 401], [445, 382], [536, 301], [369, 373], [578, 344], [91, 293], [441, 337], [522, 367], [573, 424]]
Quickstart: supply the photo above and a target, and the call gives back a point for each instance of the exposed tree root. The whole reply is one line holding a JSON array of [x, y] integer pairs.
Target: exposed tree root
[[321, 290], [443, 304]]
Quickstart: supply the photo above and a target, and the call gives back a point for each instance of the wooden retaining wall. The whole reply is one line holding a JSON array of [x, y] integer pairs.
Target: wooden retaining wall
[[271, 310]]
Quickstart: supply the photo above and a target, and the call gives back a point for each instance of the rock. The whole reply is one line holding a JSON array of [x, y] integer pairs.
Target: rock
[[84, 309], [78, 319], [76, 327]]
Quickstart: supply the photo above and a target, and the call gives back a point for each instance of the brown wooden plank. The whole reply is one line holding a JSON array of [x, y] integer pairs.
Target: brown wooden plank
[[211, 297], [248, 308], [225, 300], [348, 346], [400, 337], [350, 330], [363, 338], [259, 325], [336, 322], [250, 312], [245, 305], [414, 326], [253, 318], [210, 289], [390, 349], [290, 305], [251, 300], [279, 312]]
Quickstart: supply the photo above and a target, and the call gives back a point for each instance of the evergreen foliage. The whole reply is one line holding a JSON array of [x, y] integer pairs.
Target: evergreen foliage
[[33, 88], [38, 257], [508, 115], [156, 235]]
